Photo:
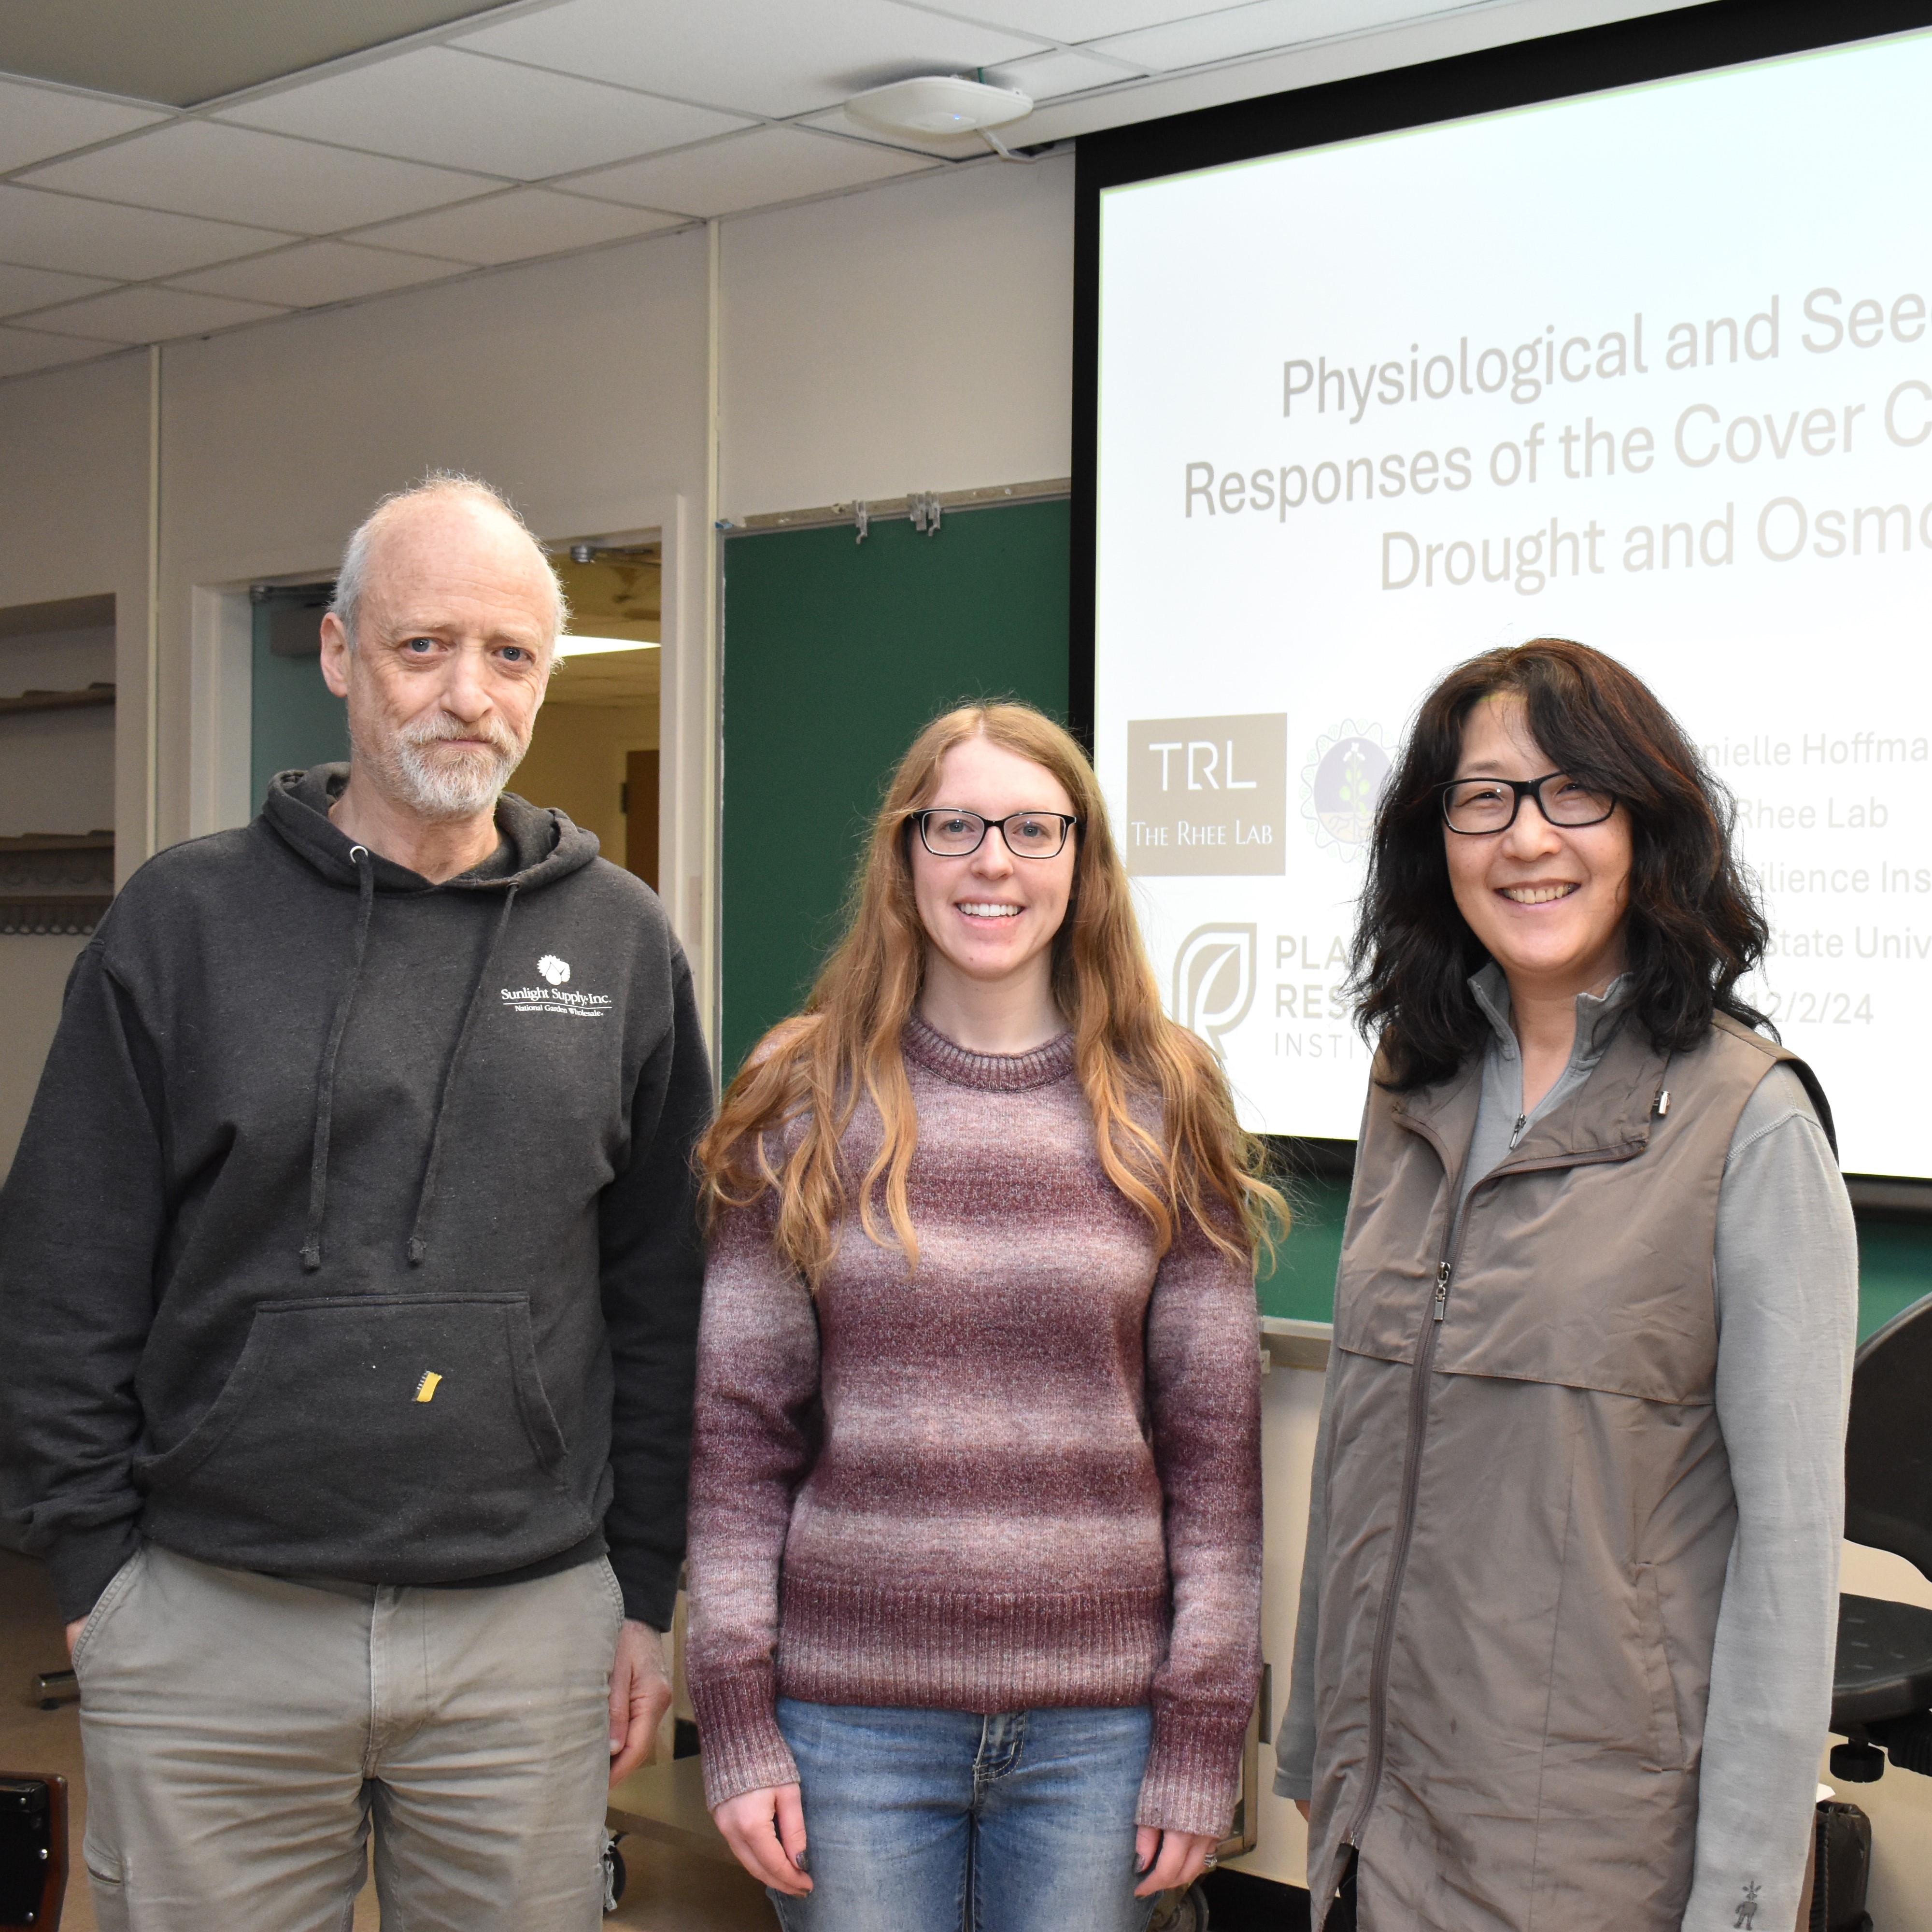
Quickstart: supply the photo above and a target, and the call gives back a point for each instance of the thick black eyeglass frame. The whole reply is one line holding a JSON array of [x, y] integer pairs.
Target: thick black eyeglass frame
[[919, 818], [1523, 788]]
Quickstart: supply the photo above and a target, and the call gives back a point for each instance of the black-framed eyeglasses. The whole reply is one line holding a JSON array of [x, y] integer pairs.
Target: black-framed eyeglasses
[[949, 833], [1477, 807]]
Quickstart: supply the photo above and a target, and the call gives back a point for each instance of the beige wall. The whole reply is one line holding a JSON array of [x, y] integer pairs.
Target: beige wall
[[56, 767], [1291, 1410], [919, 336], [73, 523]]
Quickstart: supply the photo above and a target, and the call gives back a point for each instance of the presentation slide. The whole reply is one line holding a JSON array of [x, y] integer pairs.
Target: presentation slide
[[1651, 369]]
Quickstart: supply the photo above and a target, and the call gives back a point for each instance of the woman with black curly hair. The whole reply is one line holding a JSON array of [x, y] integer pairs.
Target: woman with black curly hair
[[1568, 1612]]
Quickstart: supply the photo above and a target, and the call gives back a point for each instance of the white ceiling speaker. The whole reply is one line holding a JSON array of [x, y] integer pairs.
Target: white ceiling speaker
[[940, 103]]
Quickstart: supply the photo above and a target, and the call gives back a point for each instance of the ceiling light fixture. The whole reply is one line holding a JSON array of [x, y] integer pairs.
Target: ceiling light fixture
[[939, 104], [591, 647]]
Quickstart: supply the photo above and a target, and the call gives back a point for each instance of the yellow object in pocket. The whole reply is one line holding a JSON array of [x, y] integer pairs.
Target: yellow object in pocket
[[427, 1387]]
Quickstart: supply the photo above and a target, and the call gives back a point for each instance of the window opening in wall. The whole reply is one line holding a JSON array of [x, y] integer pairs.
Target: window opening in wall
[[594, 753], [56, 766], [56, 822]]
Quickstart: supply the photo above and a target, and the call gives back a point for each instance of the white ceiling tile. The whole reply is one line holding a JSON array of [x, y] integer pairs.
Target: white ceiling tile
[[315, 272], [437, 104], [1258, 28], [36, 122], [234, 174], [22, 350], [149, 315], [22, 288], [747, 171], [100, 238], [1046, 76], [513, 227], [776, 57]]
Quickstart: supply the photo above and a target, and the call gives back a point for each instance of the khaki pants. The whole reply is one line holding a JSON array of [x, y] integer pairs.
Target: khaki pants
[[243, 1734]]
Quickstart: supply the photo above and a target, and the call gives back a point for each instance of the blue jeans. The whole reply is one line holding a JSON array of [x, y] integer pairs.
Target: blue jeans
[[945, 1821]]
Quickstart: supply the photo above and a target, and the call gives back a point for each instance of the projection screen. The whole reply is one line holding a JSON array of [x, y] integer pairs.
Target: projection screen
[[1650, 368]]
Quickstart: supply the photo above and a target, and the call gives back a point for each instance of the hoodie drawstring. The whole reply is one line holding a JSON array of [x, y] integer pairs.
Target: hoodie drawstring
[[325, 1100], [418, 1243]]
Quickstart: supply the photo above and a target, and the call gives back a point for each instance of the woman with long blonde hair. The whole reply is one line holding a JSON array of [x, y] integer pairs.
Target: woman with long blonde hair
[[975, 1530]]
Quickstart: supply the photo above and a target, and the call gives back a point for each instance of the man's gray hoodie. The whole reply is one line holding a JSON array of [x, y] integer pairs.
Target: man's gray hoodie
[[353, 1233]]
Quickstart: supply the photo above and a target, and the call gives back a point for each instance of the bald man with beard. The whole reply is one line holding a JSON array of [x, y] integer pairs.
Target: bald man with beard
[[348, 1288]]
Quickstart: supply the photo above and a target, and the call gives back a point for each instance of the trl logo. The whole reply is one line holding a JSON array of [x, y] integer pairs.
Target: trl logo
[[1214, 980]]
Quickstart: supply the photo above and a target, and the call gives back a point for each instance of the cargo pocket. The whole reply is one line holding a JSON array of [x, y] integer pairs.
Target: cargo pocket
[[1667, 1732], [391, 1437], [107, 1882]]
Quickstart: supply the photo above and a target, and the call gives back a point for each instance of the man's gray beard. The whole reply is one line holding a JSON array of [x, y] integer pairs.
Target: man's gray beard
[[446, 788]]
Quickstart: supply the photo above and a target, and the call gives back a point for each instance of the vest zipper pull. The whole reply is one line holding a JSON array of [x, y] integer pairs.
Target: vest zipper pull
[[1441, 1291], [1516, 1132]]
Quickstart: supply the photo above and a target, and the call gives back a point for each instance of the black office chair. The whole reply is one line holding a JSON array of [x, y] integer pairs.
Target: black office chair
[[1882, 1689], [33, 1850]]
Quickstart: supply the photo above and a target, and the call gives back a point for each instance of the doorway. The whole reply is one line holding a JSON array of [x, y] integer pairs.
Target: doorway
[[594, 754]]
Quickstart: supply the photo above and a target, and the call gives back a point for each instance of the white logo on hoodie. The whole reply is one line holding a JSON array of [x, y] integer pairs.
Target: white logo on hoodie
[[551, 998]]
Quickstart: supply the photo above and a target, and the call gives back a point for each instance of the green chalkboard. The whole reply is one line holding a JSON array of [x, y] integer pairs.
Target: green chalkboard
[[1301, 1284], [835, 653], [294, 720]]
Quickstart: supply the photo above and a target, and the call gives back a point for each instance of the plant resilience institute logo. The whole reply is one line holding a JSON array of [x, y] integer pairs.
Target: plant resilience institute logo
[[1342, 784], [1214, 980]]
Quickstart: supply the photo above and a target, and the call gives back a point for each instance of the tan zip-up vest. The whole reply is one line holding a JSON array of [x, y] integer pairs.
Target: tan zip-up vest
[[1529, 1503]]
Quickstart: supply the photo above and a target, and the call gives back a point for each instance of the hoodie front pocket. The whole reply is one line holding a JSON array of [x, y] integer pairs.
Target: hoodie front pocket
[[385, 1436]]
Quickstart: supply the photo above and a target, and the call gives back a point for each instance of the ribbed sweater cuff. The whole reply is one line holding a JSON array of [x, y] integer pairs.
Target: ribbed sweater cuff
[[739, 1742], [1193, 1772]]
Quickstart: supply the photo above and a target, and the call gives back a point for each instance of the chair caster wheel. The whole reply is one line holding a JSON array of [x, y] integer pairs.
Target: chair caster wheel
[[1180, 1912], [615, 1876], [1857, 1763]]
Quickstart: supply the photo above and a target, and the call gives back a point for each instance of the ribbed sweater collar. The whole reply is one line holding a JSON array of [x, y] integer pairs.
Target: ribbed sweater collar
[[996, 1073]]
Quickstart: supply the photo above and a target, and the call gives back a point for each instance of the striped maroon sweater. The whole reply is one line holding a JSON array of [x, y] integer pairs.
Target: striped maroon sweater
[[1026, 1476]]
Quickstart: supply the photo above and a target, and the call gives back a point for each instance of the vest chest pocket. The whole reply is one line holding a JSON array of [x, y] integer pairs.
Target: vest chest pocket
[[1596, 1276]]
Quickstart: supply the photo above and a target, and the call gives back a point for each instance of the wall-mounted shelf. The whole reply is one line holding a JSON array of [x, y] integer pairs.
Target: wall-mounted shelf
[[55, 882], [88, 699]]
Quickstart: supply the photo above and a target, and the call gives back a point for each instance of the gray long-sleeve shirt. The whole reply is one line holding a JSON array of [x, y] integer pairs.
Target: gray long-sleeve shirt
[[1785, 1279]]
